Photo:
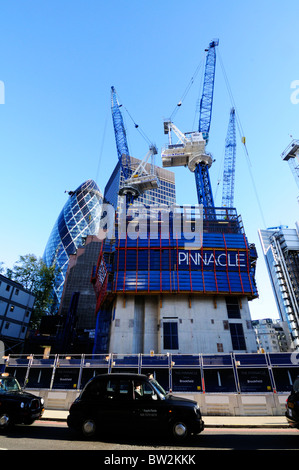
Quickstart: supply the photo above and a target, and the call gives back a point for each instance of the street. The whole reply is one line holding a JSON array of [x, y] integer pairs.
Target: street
[[55, 435]]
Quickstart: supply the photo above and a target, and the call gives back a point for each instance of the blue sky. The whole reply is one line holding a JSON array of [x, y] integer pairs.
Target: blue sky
[[58, 61]]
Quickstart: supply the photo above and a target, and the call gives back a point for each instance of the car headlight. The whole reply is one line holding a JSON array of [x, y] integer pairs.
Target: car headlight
[[22, 404], [42, 401]]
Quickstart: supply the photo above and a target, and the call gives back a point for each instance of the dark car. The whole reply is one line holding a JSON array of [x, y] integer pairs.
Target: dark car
[[122, 402], [16, 405], [292, 406]]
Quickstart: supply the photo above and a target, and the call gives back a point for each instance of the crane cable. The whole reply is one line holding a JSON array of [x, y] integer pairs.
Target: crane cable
[[141, 132], [101, 149], [241, 133], [180, 102]]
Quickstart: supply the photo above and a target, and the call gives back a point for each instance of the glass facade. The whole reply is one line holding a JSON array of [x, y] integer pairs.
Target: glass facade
[[281, 250], [164, 194], [79, 218]]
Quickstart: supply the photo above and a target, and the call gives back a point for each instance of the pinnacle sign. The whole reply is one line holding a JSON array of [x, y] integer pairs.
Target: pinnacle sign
[[210, 259]]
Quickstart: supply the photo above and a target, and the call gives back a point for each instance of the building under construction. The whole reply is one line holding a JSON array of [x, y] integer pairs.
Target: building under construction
[[157, 294], [174, 278]]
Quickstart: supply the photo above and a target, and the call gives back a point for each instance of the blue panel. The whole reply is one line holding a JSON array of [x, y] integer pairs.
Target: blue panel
[[224, 360], [251, 360]]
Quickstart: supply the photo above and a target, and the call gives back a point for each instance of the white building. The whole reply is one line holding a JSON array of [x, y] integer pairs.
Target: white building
[[16, 304], [271, 335]]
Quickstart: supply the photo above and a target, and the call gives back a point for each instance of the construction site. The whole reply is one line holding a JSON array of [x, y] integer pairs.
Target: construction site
[[172, 278]]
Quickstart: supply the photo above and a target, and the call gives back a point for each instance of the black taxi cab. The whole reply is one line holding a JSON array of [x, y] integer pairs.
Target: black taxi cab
[[292, 406], [16, 405], [122, 402]]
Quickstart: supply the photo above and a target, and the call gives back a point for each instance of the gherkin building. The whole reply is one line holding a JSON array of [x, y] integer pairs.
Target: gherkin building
[[79, 218]]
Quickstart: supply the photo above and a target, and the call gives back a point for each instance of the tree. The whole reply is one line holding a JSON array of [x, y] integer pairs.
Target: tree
[[33, 274]]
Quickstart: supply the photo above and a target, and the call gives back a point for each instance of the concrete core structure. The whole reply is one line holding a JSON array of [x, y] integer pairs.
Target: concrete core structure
[[182, 324]]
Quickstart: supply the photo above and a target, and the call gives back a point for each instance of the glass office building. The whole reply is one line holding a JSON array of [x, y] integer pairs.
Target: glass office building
[[281, 251], [79, 217], [164, 194]]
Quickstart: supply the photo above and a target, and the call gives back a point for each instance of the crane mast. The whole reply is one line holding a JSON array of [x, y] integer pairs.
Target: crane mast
[[139, 180], [229, 163], [202, 177], [120, 135]]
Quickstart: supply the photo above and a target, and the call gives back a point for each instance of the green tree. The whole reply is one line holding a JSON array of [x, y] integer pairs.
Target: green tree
[[33, 274]]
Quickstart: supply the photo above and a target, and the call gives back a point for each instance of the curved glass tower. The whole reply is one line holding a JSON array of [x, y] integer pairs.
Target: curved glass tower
[[79, 217]]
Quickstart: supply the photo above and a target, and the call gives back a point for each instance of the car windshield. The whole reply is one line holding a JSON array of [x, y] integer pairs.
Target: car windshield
[[159, 390], [9, 384], [296, 385]]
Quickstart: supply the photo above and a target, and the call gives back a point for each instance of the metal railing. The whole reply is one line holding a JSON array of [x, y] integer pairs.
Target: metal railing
[[223, 373]]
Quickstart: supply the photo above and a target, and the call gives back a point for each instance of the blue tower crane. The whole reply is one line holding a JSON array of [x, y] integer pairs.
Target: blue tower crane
[[136, 180], [202, 178], [229, 162], [191, 149]]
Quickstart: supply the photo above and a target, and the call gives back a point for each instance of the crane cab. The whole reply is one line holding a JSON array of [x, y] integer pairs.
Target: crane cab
[[189, 151]]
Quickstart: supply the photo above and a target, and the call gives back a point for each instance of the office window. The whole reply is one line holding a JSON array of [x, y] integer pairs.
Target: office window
[[233, 308], [170, 335], [237, 336]]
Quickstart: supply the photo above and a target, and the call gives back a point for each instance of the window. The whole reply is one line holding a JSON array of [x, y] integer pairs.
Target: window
[[170, 335], [237, 336], [12, 307], [118, 389], [124, 389], [7, 288], [94, 390], [142, 391], [233, 308]]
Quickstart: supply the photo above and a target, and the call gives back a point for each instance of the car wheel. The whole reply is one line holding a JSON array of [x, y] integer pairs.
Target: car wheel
[[179, 430], [5, 421], [88, 427]]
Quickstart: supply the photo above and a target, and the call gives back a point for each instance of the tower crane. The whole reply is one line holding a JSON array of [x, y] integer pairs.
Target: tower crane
[[291, 155], [139, 180], [229, 162], [190, 151]]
